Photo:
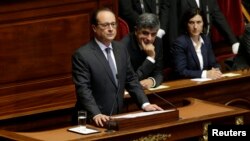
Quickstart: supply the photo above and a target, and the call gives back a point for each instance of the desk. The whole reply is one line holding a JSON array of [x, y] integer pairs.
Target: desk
[[220, 91], [193, 117], [46, 112]]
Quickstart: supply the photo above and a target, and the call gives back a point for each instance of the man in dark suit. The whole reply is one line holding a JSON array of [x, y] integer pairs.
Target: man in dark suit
[[129, 10], [100, 84], [242, 59], [145, 50], [214, 15]]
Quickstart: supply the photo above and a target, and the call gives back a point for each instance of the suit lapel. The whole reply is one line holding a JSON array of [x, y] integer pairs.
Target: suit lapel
[[150, 6], [138, 6], [101, 57], [203, 5], [204, 54], [192, 3], [118, 59], [193, 52]]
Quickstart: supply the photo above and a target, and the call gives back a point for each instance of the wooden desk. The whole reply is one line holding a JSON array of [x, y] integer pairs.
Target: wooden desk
[[193, 118], [57, 106], [220, 91]]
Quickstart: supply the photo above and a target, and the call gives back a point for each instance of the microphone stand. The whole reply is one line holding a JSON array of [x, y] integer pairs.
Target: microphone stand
[[109, 122], [166, 101], [109, 129]]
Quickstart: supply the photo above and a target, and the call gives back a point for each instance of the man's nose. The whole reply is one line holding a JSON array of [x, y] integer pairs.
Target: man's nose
[[149, 37]]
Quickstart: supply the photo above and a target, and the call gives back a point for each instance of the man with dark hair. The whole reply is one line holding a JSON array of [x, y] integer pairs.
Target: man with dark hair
[[145, 50], [102, 70]]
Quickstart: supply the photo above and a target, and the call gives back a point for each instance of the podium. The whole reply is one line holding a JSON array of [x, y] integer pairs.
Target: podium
[[194, 116], [141, 119]]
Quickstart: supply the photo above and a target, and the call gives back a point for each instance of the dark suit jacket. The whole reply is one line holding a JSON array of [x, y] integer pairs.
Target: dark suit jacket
[[143, 67], [216, 17], [185, 58], [96, 89], [129, 10], [242, 59]]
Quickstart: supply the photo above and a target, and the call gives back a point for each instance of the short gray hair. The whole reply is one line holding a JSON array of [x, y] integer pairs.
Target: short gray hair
[[148, 20]]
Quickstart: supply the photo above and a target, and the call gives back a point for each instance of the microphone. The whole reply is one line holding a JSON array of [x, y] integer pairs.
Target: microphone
[[208, 19], [163, 99], [111, 124]]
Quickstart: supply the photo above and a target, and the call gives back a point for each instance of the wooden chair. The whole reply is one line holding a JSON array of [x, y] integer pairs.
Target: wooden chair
[[123, 28], [225, 60]]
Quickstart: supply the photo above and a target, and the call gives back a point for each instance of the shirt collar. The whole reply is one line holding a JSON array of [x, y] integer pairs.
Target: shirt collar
[[102, 46], [201, 40]]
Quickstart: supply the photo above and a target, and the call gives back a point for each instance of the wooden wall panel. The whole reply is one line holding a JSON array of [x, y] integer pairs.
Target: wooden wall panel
[[37, 40], [41, 48]]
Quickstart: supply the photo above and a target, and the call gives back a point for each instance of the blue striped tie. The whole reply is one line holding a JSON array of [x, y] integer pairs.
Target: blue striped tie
[[111, 63]]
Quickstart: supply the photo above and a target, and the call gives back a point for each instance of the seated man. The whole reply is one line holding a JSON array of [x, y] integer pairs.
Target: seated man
[[242, 59], [145, 50], [129, 10]]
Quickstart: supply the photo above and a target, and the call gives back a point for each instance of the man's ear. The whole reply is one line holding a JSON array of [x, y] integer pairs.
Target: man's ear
[[93, 27]]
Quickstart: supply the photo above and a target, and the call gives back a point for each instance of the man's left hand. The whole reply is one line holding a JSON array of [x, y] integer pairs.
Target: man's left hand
[[147, 83], [152, 107]]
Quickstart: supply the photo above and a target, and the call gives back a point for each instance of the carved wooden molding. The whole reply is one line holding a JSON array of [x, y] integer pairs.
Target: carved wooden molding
[[154, 137]]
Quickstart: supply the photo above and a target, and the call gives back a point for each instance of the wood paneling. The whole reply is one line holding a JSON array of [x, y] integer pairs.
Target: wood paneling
[[37, 39], [41, 48]]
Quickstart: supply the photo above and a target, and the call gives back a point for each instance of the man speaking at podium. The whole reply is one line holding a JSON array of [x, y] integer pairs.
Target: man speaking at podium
[[102, 70]]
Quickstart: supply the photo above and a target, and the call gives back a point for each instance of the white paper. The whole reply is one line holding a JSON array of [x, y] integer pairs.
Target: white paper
[[230, 74], [201, 79], [152, 89], [140, 114], [83, 130], [159, 87]]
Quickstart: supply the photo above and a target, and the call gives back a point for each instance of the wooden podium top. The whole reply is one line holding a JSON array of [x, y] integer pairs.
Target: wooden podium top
[[192, 117]]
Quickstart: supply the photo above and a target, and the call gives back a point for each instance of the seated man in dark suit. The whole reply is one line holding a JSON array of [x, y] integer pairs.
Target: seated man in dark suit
[[192, 52], [145, 50], [242, 59], [129, 10]]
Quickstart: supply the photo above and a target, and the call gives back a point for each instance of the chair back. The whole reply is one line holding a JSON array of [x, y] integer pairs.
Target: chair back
[[123, 28]]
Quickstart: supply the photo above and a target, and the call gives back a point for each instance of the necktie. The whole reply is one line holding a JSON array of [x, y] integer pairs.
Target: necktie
[[111, 63]]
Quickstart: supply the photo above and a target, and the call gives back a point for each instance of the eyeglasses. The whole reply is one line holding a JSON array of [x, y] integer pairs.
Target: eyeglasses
[[107, 25]]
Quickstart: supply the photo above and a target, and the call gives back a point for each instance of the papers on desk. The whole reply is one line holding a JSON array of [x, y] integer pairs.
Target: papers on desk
[[230, 74], [200, 79], [208, 79], [84, 131], [152, 89], [141, 114], [159, 87]]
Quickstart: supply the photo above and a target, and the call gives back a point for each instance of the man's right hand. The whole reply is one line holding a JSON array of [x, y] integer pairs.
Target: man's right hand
[[100, 119], [149, 49]]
